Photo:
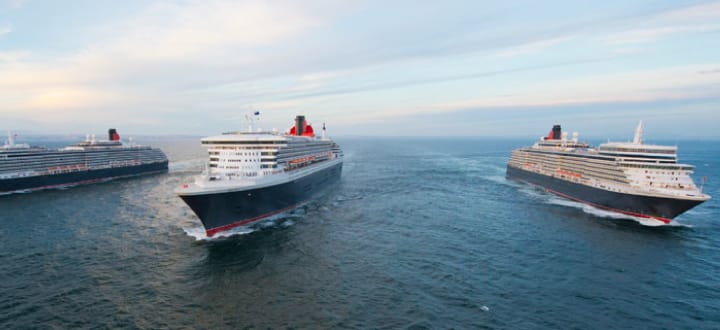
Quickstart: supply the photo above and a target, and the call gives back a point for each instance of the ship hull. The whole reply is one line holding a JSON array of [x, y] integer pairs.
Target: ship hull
[[40, 182], [223, 211], [658, 208]]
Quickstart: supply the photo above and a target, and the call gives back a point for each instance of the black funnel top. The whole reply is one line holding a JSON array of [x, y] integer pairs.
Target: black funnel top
[[112, 134], [557, 132], [299, 125]]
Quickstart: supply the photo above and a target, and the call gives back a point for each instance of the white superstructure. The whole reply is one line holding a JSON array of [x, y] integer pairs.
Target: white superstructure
[[623, 167], [11, 145], [23, 160], [254, 159]]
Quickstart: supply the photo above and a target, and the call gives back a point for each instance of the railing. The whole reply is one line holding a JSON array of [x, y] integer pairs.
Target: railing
[[66, 168]]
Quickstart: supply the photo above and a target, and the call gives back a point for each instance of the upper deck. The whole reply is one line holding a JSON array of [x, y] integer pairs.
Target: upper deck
[[629, 167], [254, 153], [244, 138], [256, 158]]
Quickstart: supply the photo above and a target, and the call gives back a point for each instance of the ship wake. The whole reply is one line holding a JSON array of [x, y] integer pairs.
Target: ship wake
[[279, 220], [187, 166], [198, 233], [600, 213]]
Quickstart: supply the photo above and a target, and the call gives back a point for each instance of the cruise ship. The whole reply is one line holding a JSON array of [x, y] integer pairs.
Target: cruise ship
[[26, 168], [253, 175], [632, 178]]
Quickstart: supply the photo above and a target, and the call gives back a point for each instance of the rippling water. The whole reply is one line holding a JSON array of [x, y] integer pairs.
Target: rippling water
[[419, 233]]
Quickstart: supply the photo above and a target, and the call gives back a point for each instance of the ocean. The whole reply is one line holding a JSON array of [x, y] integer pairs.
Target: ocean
[[420, 233]]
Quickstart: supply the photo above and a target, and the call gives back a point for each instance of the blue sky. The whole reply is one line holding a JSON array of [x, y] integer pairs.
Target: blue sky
[[470, 68]]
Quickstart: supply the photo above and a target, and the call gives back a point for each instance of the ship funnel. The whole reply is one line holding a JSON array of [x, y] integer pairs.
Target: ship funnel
[[555, 133], [113, 135], [299, 125]]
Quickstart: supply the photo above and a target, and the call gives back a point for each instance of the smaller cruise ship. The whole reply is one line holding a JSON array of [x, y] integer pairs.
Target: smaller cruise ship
[[633, 178], [26, 168], [253, 175]]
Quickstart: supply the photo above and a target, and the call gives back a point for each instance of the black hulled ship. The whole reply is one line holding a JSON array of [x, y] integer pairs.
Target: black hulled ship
[[253, 175], [632, 178], [27, 168]]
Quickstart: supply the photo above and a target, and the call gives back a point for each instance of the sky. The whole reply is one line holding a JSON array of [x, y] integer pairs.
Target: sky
[[375, 68]]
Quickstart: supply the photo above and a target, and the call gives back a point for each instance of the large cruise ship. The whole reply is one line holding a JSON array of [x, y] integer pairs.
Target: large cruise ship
[[633, 178], [27, 168], [253, 175]]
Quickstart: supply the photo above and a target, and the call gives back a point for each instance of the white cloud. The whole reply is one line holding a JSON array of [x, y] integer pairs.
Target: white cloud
[[532, 47], [205, 61], [694, 19], [676, 83], [651, 85], [171, 31], [13, 56], [164, 45], [11, 4], [4, 30], [696, 12], [653, 34]]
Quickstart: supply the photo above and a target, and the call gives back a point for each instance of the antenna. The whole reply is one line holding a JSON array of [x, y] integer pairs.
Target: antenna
[[323, 132]]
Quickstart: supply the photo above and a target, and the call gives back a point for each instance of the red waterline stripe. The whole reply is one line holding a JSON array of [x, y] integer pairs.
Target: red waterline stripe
[[84, 182], [640, 215], [213, 231]]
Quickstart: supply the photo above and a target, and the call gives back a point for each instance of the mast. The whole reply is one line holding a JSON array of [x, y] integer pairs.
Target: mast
[[638, 133], [251, 120]]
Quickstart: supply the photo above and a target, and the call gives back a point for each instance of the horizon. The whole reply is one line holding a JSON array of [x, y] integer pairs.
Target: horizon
[[64, 137], [367, 68]]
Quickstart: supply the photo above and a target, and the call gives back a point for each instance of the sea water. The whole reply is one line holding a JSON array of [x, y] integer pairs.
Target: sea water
[[419, 233]]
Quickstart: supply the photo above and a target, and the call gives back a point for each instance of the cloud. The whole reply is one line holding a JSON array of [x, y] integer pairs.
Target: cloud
[[13, 56], [532, 47], [668, 84], [682, 82], [653, 34], [161, 48], [205, 61], [11, 4], [58, 99], [295, 94], [709, 71], [4, 30], [196, 42], [173, 31], [702, 18], [709, 11]]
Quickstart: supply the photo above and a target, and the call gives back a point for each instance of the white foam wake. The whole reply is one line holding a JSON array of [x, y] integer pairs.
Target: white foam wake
[[199, 233], [500, 179], [609, 214], [283, 219]]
